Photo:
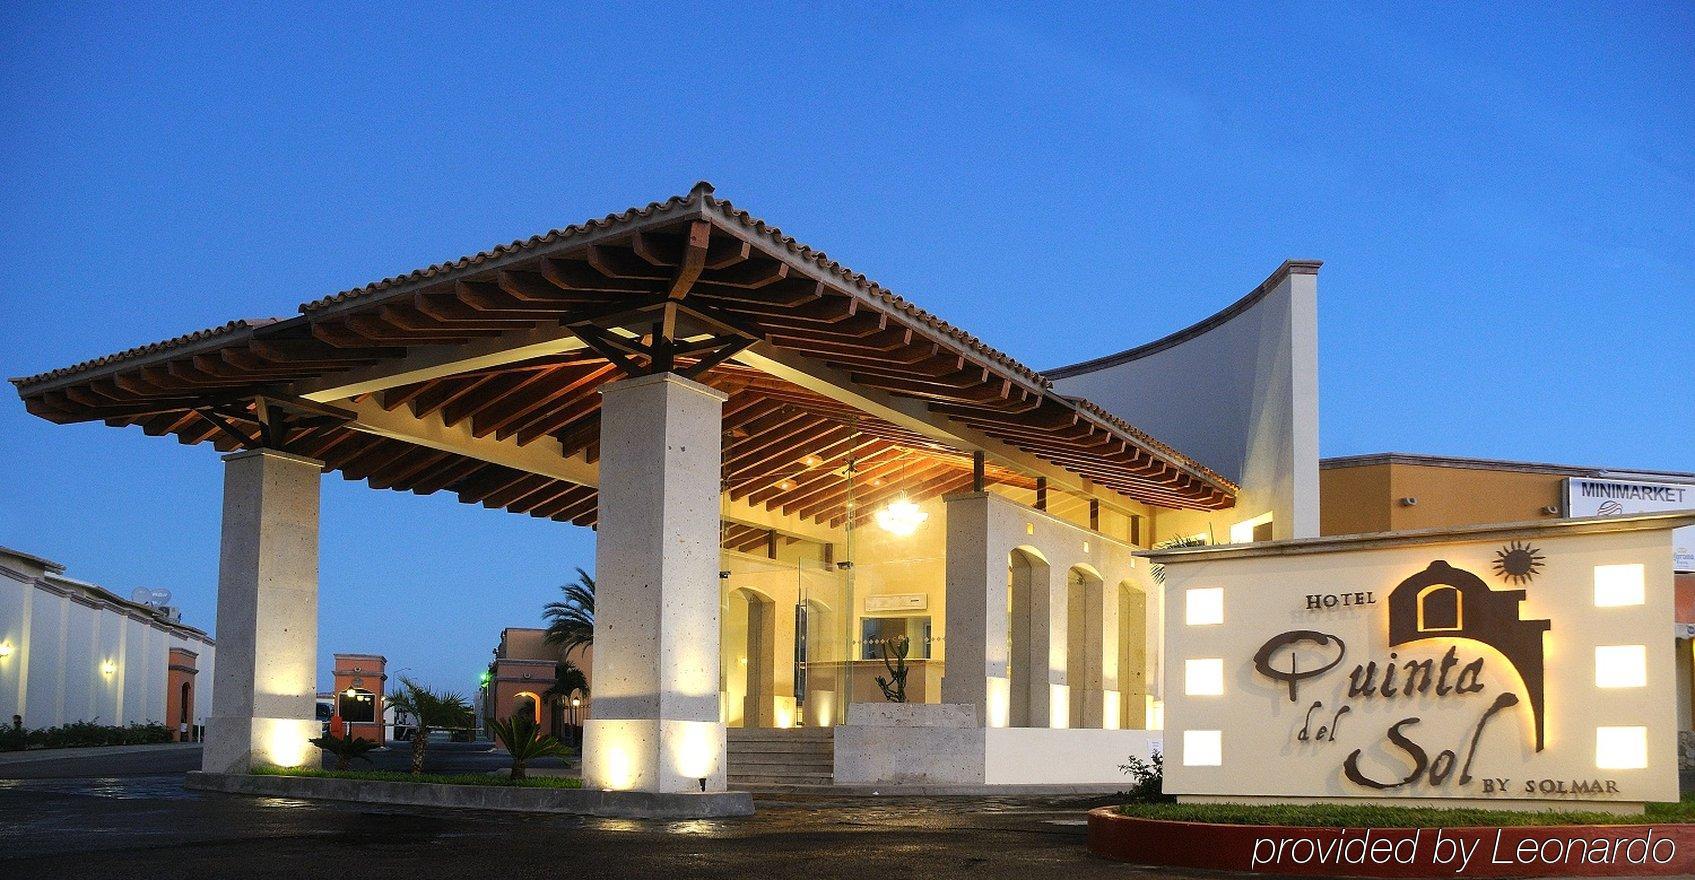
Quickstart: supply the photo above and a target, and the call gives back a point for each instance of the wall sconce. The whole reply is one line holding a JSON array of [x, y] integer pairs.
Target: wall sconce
[[5, 649], [108, 667]]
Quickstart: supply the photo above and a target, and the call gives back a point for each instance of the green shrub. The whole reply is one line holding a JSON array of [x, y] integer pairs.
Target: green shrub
[[345, 748], [82, 734], [433, 778], [1147, 780], [525, 742]]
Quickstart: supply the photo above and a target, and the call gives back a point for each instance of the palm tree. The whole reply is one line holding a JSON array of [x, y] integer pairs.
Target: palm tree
[[525, 741], [429, 709], [567, 680], [570, 621], [345, 748]]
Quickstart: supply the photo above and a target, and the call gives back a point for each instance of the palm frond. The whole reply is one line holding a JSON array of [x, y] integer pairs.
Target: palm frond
[[570, 621]]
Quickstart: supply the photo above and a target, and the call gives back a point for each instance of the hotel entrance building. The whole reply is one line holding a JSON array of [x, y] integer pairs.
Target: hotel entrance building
[[811, 496]]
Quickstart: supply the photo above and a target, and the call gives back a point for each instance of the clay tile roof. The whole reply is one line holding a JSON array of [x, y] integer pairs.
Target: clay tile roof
[[671, 205], [875, 290], [140, 351]]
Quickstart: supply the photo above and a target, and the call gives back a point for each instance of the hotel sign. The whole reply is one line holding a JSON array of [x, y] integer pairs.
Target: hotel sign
[[1443, 674], [1600, 497]]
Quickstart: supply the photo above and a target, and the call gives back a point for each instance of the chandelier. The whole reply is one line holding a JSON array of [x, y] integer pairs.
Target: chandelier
[[901, 517]]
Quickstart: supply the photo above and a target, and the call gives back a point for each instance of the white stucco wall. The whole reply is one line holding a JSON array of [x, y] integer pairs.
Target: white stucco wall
[[63, 631], [1237, 392], [983, 529]]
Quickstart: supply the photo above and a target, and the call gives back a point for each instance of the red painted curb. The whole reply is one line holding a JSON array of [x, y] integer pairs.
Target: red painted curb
[[1532, 851]]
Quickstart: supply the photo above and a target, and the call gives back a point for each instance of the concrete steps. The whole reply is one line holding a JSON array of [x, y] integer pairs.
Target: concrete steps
[[763, 757]]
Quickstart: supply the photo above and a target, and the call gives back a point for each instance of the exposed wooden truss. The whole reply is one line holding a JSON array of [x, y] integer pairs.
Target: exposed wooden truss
[[690, 295]]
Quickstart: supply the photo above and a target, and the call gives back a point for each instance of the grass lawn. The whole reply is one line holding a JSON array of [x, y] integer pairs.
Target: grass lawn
[[1351, 816], [432, 778]]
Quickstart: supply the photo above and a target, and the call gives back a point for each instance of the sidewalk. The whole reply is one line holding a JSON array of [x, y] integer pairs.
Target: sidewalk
[[33, 755]]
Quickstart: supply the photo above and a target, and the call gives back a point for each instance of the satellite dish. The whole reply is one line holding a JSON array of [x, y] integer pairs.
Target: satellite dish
[[158, 597]]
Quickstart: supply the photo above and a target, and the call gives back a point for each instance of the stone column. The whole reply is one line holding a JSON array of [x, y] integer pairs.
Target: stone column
[[976, 671], [266, 676], [656, 725]]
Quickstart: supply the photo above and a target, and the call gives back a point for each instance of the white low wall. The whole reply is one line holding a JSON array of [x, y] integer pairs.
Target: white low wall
[[909, 744], [1060, 756], [939, 745]]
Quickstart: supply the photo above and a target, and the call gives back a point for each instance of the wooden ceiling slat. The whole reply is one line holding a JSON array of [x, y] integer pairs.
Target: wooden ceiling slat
[[493, 478], [459, 468], [790, 450], [519, 488], [404, 469], [488, 391], [514, 402], [566, 389], [443, 391]]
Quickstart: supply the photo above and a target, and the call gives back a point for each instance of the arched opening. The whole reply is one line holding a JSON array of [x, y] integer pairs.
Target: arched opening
[[1440, 609], [527, 703], [749, 644], [1026, 579], [186, 704], [1085, 651], [1132, 658]]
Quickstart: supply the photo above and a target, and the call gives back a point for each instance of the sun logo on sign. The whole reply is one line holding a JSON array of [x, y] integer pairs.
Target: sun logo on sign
[[1518, 562]]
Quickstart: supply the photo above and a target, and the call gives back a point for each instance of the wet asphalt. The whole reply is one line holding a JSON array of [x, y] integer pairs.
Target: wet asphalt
[[125, 816], [129, 816]]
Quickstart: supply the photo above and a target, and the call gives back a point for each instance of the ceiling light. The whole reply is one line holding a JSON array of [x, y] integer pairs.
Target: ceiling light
[[901, 517]]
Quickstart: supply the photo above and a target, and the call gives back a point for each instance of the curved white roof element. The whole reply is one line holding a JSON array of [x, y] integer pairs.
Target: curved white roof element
[[1238, 392]]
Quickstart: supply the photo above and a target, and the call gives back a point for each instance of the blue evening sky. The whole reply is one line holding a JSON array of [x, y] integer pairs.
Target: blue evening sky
[[1504, 200]]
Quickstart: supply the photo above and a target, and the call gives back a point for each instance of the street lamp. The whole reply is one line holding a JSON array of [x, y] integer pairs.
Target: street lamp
[[577, 728]]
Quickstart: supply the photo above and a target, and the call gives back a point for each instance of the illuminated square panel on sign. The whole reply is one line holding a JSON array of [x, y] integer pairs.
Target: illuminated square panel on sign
[[1621, 666], [1618, 585], [1621, 748], [1204, 677], [1203, 606], [1203, 748]]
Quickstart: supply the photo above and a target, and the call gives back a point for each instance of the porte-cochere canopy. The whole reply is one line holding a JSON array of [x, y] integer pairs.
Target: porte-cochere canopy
[[481, 377]]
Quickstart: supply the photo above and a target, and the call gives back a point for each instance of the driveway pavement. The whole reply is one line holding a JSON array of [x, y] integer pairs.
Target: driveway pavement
[[128, 816]]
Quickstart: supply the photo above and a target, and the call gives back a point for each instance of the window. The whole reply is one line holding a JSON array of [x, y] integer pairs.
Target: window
[[1440, 609], [357, 706], [875, 632]]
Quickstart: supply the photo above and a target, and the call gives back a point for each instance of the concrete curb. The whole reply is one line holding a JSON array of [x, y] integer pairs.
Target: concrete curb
[[583, 802], [33, 755], [929, 790]]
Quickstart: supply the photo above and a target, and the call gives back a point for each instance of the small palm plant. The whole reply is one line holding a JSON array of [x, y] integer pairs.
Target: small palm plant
[[345, 748], [570, 621], [525, 741], [429, 710]]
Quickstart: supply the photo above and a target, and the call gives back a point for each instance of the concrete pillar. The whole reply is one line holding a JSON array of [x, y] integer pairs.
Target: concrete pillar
[[656, 724], [265, 680], [976, 672]]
